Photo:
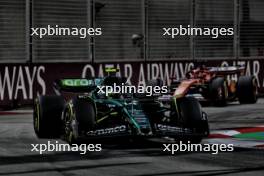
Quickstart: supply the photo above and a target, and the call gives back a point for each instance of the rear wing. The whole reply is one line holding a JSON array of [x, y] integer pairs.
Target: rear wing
[[75, 85]]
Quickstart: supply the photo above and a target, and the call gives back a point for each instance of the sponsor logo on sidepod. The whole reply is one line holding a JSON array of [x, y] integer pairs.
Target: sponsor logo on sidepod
[[105, 131], [167, 128]]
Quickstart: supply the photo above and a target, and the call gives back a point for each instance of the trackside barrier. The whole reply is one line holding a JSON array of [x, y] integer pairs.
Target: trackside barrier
[[20, 83]]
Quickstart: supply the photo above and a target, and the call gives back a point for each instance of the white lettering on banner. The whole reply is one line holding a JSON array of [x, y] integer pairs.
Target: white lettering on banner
[[40, 80], [248, 69], [154, 71], [141, 77], [164, 74], [17, 81], [5, 80], [88, 70], [164, 71], [31, 79], [118, 68], [128, 72], [101, 71], [177, 70], [256, 70], [21, 84]]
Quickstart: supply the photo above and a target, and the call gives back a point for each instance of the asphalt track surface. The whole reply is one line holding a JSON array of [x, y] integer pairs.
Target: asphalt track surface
[[141, 159]]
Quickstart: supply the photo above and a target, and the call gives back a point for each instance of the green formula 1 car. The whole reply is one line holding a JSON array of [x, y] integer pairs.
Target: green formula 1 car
[[79, 112]]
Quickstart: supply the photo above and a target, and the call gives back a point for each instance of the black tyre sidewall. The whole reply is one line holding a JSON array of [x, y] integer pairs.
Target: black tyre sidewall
[[246, 90], [49, 113], [216, 84], [190, 111], [192, 117], [85, 113]]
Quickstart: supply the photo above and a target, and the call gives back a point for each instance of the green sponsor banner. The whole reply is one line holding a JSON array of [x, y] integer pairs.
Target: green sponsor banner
[[77, 82]]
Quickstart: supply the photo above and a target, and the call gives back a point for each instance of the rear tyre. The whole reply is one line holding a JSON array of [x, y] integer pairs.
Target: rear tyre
[[79, 118], [191, 116], [47, 116], [218, 91], [247, 89]]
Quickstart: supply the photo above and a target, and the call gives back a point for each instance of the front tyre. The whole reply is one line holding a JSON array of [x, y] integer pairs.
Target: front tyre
[[191, 116], [47, 116], [79, 117]]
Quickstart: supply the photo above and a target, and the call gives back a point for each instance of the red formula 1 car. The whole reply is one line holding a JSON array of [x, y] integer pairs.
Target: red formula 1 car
[[217, 85]]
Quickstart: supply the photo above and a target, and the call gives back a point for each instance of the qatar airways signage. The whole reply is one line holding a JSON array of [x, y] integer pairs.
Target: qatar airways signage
[[22, 82], [139, 73], [17, 82]]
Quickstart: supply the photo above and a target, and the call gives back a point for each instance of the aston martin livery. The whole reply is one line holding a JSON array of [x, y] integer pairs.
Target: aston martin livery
[[78, 112]]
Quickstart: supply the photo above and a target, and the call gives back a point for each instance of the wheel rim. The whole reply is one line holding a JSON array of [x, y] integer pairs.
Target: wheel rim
[[69, 129], [220, 93]]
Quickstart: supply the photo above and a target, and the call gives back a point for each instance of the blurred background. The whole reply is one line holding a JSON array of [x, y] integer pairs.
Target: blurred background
[[120, 20], [132, 39]]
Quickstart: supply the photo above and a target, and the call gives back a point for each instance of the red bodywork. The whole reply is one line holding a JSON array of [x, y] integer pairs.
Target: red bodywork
[[203, 75]]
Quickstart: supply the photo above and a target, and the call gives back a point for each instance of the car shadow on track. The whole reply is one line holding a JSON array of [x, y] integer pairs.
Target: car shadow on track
[[110, 149]]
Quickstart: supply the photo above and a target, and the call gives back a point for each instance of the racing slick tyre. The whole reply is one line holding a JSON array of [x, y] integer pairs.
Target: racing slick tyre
[[247, 89], [47, 116], [79, 117], [218, 91], [191, 116]]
